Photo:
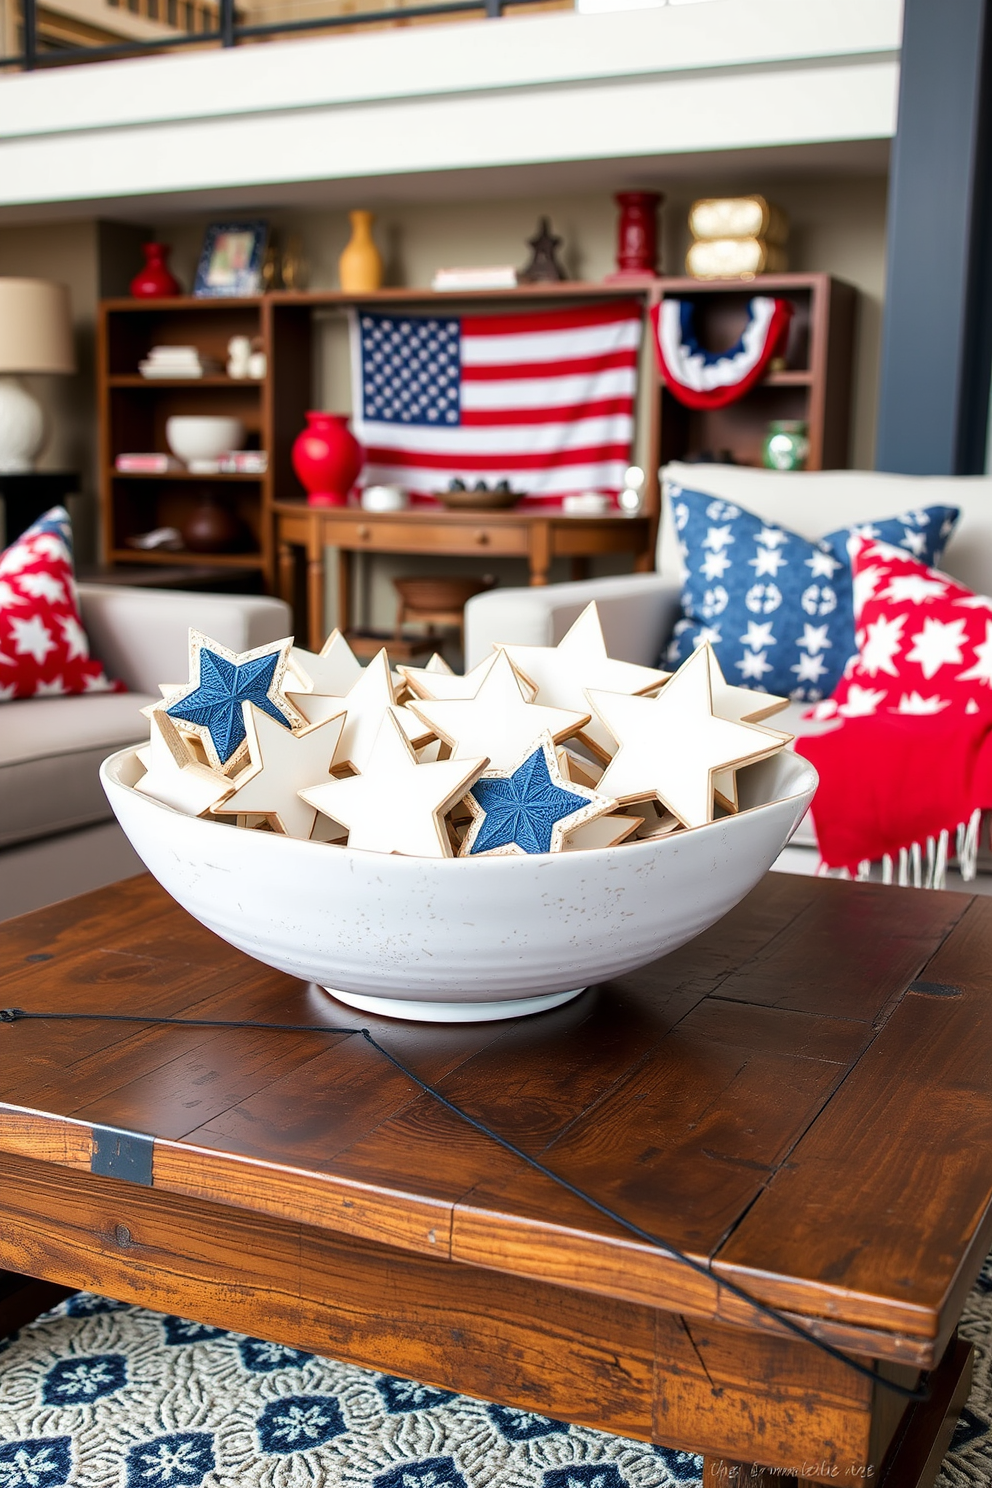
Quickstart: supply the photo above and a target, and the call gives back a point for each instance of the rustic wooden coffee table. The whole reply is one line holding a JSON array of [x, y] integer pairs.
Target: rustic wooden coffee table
[[801, 1098]]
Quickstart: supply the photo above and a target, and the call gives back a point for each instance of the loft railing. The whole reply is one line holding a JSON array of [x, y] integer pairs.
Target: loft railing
[[51, 33]]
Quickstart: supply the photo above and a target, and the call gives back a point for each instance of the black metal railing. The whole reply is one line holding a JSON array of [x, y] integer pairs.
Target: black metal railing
[[38, 49]]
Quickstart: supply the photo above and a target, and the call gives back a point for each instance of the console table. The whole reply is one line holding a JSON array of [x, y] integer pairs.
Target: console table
[[303, 531]]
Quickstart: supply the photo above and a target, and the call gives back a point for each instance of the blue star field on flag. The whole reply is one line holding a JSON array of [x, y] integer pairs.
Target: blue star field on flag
[[524, 808], [410, 369], [215, 704]]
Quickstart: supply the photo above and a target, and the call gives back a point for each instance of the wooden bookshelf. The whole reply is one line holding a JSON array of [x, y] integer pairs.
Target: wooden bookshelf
[[813, 385]]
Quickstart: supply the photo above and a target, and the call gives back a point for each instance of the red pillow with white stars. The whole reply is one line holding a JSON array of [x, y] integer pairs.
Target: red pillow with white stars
[[924, 641], [44, 651]]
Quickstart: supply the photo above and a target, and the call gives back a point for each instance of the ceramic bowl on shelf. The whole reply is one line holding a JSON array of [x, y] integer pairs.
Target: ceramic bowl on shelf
[[193, 437], [456, 939]]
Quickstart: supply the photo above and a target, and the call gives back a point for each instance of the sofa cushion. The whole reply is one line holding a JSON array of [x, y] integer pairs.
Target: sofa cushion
[[51, 750], [778, 609], [44, 650]]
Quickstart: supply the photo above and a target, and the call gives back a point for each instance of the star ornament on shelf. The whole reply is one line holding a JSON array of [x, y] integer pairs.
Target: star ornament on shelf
[[281, 764], [671, 746], [562, 673], [498, 721], [209, 707], [397, 804], [174, 777], [529, 807]]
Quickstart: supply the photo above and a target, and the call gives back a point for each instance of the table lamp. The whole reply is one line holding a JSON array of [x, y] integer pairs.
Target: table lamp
[[35, 336]]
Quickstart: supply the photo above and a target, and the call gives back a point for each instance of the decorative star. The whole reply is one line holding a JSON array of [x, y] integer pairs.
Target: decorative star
[[209, 707], [562, 673], [529, 807], [174, 777], [330, 672], [671, 745], [396, 805], [739, 705], [436, 683], [498, 721], [366, 705], [605, 831], [281, 764]]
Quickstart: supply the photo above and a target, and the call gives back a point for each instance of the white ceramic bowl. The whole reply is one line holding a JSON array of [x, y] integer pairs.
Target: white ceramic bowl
[[453, 940], [202, 436]]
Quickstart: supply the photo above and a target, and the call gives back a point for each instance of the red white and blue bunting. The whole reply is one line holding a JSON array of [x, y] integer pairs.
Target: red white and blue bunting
[[712, 379]]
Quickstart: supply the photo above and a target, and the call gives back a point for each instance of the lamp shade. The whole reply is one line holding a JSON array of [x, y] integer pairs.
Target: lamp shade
[[35, 327]]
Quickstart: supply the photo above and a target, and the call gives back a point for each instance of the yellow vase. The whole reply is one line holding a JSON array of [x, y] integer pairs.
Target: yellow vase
[[360, 265]]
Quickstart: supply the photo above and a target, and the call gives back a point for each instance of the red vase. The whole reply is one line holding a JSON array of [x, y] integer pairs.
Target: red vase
[[637, 233], [327, 458], [155, 281]]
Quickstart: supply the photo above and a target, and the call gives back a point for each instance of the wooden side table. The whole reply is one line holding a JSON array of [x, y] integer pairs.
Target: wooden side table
[[537, 536]]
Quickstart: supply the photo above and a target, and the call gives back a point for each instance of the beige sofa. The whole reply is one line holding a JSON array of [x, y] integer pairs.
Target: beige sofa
[[57, 836], [639, 611]]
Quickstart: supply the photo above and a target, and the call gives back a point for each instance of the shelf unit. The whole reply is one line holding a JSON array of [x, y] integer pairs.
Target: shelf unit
[[814, 385]]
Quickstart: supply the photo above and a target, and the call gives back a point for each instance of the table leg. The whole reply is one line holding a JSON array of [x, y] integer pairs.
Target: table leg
[[644, 562], [719, 1473], [540, 554], [315, 602], [287, 572], [344, 589]]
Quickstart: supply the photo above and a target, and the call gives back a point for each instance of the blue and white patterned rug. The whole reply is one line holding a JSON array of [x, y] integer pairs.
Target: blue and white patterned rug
[[97, 1394]]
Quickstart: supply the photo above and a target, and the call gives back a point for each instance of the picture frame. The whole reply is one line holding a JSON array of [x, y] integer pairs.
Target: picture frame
[[230, 264]]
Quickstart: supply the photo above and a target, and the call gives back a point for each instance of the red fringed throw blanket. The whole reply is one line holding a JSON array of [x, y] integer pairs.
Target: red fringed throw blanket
[[907, 772]]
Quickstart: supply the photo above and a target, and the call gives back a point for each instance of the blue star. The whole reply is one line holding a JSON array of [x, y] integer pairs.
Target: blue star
[[523, 808], [214, 706]]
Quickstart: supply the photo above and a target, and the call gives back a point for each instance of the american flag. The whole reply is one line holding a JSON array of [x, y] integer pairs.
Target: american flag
[[541, 399]]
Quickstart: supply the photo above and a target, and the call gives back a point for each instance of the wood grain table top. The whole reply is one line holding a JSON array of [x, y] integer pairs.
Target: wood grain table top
[[800, 1098]]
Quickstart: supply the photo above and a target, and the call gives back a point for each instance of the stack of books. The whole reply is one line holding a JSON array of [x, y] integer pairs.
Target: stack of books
[[489, 276], [146, 464], [178, 361]]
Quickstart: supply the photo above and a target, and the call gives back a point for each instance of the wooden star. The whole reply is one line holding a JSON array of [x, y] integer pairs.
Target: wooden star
[[670, 745], [281, 764], [366, 706], [396, 805], [738, 705], [209, 707], [332, 671], [563, 673], [174, 777], [604, 831], [434, 684], [498, 721], [530, 807]]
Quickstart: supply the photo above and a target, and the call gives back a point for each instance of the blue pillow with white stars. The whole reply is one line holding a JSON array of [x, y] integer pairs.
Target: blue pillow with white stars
[[778, 609]]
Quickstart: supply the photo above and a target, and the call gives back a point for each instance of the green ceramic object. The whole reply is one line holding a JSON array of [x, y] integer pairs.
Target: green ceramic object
[[786, 445]]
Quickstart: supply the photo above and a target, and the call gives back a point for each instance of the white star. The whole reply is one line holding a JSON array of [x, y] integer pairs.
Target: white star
[[717, 538], [916, 542], [714, 566], [937, 644], [767, 561], [861, 702], [754, 664], [367, 704], [9, 596], [31, 638], [332, 671], [912, 702], [282, 763], [865, 582], [396, 804], [822, 565], [883, 638], [706, 634], [814, 638], [498, 721], [670, 746], [757, 636], [809, 669], [435, 682], [913, 587], [562, 673], [43, 586], [74, 637], [173, 776], [771, 537], [981, 671]]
